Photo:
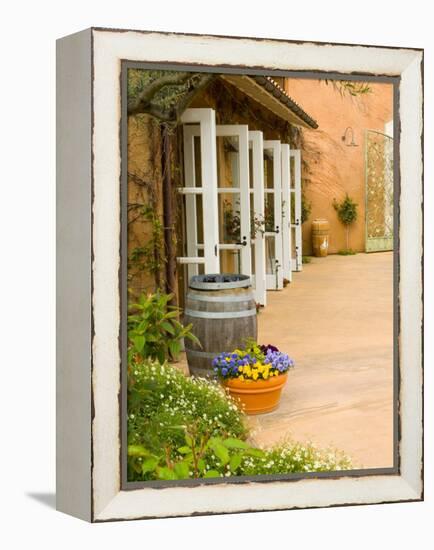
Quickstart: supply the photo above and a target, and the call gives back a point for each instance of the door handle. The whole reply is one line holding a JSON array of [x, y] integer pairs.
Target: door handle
[[243, 242]]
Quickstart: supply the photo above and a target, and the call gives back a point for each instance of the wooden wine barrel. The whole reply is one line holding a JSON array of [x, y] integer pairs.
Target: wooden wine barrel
[[320, 237], [222, 310]]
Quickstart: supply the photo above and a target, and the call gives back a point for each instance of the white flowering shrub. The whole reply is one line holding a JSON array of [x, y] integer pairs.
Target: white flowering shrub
[[181, 428], [295, 457]]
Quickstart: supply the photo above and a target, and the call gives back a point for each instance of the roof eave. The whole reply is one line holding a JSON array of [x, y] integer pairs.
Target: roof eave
[[270, 96]]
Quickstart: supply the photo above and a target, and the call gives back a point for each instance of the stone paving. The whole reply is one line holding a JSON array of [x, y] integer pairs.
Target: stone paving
[[335, 320]]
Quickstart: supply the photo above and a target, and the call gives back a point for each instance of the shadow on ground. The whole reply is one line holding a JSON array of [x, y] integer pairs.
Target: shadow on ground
[[47, 499]]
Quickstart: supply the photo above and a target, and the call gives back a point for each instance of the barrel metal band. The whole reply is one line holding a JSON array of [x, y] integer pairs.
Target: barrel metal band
[[220, 314], [220, 286], [227, 298]]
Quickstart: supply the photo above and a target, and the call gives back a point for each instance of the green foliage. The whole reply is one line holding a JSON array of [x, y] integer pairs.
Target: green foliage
[[347, 214], [148, 257], [347, 252], [306, 259], [346, 210], [178, 421], [350, 87], [232, 222], [181, 428], [139, 79], [292, 457], [154, 330]]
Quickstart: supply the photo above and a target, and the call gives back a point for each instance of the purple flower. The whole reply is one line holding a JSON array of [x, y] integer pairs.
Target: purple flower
[[266, 348]]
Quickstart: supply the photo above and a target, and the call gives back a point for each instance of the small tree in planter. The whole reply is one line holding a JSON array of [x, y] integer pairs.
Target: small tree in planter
[[347, 214]]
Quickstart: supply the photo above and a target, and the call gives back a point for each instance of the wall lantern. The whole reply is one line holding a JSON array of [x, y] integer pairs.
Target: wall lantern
[[350, 131]]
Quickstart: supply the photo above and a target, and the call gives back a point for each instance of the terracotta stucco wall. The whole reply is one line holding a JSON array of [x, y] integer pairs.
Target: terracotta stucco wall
[[144, 190], [330, 168]]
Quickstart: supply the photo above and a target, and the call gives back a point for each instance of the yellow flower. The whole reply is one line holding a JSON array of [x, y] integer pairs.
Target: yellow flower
[[240, 369], [255, 375], [241, 377]]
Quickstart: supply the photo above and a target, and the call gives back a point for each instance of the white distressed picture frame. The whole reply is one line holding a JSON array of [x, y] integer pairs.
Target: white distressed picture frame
[[89, 158]]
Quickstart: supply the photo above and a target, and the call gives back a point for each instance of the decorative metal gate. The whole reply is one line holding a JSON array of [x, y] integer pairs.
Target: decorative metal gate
[[379, 191]]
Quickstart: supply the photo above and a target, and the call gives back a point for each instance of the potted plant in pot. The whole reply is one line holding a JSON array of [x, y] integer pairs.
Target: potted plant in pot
[[255, 375]]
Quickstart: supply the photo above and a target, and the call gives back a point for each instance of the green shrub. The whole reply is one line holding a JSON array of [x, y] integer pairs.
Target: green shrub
[[182, 428], [154, 330], [347, 215], [349, 252], [293, 457], [167, 411]]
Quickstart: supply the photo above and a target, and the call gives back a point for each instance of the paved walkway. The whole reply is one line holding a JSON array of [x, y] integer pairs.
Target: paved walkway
[[335, 320]]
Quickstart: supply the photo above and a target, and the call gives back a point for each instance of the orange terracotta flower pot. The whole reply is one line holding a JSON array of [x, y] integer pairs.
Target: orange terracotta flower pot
[[257, 396]]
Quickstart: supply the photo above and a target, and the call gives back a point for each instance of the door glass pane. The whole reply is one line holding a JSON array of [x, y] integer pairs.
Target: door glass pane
[[252, 253], [292, 170], [230, 261], [251, 168], [197, 161], [269, 211], [293, 251], [268, 169], [227, 161], [199, 218], [270, 254], [292, 207], [229, 218]]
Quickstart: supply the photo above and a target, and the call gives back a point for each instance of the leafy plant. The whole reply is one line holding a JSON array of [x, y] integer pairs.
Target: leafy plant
[[154, 330], [347, 252], [183, 428], [350, 87], [148, 257], [347, 214], [174, 419], [232, 223]]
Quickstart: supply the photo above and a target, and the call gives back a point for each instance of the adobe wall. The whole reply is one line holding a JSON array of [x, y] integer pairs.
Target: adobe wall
[[330, 168], [145, 263]]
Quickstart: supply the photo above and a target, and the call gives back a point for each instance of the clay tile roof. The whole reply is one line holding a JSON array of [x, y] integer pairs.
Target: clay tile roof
[[279, 93]]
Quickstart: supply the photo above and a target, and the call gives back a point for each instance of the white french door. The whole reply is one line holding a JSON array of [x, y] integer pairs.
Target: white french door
[[286, 213], [273, 214], [237, 210], [256, 144], [200, 189], [233, 198], [296, 236]]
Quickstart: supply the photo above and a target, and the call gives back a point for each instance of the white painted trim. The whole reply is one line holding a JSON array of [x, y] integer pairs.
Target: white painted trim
[[206, 120], [241, 131], [190, 260], [257, 181], [275, 282], [295, 153], [190, 190], [109, 502], [286, 213]]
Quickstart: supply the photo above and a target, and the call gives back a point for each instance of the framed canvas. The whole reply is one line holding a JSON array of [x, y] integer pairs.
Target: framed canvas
[[287, 176]]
